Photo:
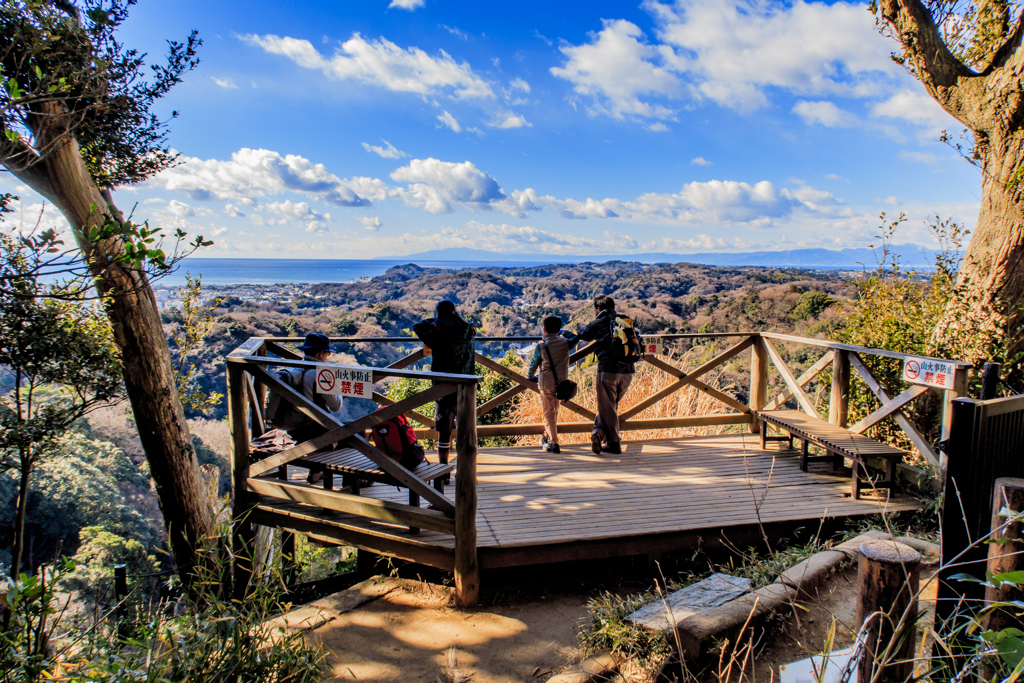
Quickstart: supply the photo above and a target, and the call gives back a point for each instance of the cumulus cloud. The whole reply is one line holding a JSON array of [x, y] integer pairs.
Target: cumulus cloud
[[436, 186], [510, 120], [449, 121], [180, 209], [411, 5], [388, 152], [225, 83], [825, 113], [700, 161], [299, 211], [233, 211], [254, 173], [657, 127], [384, 64], [519, 84], [217, 232], [616, 69], [369, 223]]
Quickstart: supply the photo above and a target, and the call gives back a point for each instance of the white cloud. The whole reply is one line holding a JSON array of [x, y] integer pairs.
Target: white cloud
[[225, 83], [372, 224], [732, 51], [700, 161], [299, 211], [510, 120], [615, 69], [699, 241], [411, 5], [384, 64], [388, 152], [657, 127], [180, 209], [519, 84], [436, 186], [825, 113], [253, 173], [449, 120], [217, 232], [891, 201], [835, 176], [919, 157], [454, 30]]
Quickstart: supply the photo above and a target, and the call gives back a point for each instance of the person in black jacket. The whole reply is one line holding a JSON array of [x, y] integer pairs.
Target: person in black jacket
[[450, 340], [614, 376]]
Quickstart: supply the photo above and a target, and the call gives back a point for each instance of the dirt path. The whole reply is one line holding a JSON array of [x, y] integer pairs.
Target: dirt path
[[408, 631]]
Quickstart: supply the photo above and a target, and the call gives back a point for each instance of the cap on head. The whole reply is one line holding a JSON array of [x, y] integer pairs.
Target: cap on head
[[316, 342]]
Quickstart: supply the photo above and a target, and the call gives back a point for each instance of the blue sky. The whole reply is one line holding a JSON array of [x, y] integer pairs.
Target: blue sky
[[363, 129]]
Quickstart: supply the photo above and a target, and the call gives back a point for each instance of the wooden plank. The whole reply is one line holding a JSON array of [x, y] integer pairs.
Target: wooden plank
[[498, 400], [787, 376], [889, 408], [916, 438], [803, 380], [337, 431], [532, 386], [378, 373], [857, 349], [467, 568], [411, 414], [249, 347], [484, 431], [386, 511], [402, 475], [259, 426], [406, 361]]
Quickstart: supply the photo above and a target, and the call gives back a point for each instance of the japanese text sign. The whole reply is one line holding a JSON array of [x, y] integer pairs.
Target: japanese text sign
[[654, 348], [341, 380], [934, 373]]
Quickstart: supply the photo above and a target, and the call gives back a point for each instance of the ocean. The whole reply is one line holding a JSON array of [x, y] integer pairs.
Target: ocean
[[223, 271]]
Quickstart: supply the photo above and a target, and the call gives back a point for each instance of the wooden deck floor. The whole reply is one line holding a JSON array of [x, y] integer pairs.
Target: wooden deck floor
[[657, 496]]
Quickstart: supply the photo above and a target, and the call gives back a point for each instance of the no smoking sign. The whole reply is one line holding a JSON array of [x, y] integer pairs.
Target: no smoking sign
[[325, 381], [929, 371], [344, 380]]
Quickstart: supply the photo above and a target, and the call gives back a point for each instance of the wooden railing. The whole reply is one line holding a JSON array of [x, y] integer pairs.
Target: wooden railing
[[249, 379]]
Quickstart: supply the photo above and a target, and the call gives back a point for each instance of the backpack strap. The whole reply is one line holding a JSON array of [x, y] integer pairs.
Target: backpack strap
[[551, 362]]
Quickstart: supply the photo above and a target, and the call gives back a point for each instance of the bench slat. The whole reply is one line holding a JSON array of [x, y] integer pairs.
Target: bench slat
[[829, 435]]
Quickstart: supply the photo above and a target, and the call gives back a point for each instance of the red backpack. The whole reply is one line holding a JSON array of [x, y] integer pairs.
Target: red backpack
[[397, 438]]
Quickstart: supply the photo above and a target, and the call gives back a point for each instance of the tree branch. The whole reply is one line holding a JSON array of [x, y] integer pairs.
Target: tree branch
[[20, 158]]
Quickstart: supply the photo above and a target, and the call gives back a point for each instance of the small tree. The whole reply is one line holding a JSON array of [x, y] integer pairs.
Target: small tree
[[63, 363]]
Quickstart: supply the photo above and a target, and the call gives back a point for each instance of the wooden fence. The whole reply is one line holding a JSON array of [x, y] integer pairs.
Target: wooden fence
[[249, 380]]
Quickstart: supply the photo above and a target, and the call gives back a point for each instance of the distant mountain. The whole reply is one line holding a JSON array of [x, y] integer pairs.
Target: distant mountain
[[912, 255]]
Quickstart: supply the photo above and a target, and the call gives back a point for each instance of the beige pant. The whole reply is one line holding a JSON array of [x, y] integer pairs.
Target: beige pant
[[549, 406], [610, 388]]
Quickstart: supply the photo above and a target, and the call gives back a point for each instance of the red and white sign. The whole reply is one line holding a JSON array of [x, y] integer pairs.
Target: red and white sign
[[933, 373], [343, 380], [653, 347]]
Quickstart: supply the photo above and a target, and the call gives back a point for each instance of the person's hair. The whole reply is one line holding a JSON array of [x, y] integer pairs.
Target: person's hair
[[447, 316], [552, 324], [604, 303]]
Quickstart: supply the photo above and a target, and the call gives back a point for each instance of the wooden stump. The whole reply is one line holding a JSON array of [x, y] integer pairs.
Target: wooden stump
[[889, 575], [1005, 556]]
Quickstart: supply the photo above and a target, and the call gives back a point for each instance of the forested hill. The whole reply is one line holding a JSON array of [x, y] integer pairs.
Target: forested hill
[[514, 301]]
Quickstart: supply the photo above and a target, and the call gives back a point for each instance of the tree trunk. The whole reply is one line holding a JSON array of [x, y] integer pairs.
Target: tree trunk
[[18, 551], [131, 306]]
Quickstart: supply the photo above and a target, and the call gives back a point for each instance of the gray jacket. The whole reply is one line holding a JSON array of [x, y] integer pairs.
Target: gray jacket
[[559, 349]]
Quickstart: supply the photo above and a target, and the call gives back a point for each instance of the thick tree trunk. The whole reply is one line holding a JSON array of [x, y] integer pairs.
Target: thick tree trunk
[[131, 306]]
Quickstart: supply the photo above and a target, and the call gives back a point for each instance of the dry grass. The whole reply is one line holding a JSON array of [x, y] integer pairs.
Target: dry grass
[[647, 381]]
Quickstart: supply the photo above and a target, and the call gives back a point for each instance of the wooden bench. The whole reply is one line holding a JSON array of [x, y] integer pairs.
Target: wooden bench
[[838, 443], [352, 465]]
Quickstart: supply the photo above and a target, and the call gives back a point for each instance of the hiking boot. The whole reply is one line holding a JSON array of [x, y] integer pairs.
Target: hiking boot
[[595, 443], [615, 448], [544, 441], [552, 448]]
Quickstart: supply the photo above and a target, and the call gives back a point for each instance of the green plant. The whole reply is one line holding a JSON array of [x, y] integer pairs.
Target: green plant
[[608, 629], [196, 323]]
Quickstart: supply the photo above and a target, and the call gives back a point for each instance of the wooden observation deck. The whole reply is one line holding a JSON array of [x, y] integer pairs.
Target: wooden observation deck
[[517, 506]]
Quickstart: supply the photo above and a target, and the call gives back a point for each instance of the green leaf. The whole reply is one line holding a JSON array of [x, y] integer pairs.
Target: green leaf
[[1016, 578]]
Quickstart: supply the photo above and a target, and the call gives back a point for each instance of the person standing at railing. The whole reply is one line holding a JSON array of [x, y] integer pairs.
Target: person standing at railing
[[450, 340], [614, 375], [551, 359]]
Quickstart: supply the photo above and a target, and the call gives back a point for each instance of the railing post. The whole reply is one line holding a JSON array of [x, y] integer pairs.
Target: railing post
[[467, 571], [838, 407], [758, 379], [242, 529], [959, 389]]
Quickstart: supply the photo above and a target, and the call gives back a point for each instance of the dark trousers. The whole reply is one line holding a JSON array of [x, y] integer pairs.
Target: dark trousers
[[610, 388], [444, 419]]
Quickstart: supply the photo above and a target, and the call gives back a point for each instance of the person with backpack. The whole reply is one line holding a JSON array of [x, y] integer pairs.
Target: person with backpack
[[281, 414], [450, 340], [618, 349], [551, 359]]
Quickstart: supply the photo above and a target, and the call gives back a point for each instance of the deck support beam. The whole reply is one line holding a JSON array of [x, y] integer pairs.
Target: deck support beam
[[467, 568], [243, 533], [839, 402]]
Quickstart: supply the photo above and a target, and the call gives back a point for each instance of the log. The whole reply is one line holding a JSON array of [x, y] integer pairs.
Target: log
[[467, 569], [839, 402], [758, 380], [1005, 552], [888, 577]]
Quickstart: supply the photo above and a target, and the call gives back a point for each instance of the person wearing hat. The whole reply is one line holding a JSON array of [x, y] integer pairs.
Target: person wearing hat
[[315, 349]]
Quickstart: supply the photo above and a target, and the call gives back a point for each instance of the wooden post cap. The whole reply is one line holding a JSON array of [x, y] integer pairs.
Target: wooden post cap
[[1010, 483], [890, 552]]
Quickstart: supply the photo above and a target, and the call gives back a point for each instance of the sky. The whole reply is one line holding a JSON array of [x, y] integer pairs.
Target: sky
[[391, 127]]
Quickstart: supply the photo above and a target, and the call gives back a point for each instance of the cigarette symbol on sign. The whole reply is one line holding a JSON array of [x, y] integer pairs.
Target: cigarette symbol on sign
[[325, 378], [913, 369]]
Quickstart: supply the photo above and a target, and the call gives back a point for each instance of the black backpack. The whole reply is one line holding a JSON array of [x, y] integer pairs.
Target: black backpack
[[280, 412], [627, 344]]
